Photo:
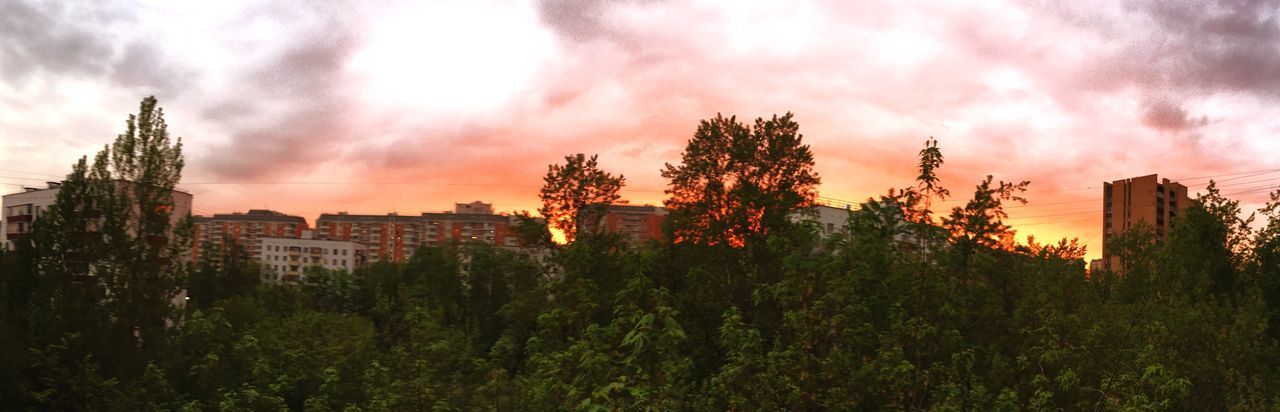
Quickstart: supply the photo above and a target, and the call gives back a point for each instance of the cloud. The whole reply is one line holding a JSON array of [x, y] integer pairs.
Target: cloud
[[471, 100], [575, 19], [293, 112], [41, 37], [1195, 46], [1168, 116]]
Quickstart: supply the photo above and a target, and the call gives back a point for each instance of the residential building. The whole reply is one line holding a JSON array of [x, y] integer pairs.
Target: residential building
[[395, 237], [285, 259], [1145, 199], [20, 210], [832, 218], [390, 236], [246, 229], [636, 223], [469, 222]]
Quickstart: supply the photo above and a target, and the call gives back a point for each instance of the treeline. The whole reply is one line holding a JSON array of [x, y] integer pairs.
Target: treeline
[[745, 306]]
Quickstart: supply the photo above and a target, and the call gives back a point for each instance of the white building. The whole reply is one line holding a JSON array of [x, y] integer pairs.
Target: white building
[[832, 219], [285, 259], [21, 209]]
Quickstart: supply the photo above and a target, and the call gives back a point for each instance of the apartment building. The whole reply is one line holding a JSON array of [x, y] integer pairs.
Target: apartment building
[[285, 259], [468, 223], [245, 229], [21, 209], [395, 237], [391, 236], [1147, 199], [637, 224], [832, 219]]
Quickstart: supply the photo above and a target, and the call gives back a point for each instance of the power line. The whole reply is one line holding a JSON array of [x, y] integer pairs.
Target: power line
[[1223, 175], [32, 173]]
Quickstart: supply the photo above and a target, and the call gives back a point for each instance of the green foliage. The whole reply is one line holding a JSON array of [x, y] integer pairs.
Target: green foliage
[[900, 311], [220, 274]]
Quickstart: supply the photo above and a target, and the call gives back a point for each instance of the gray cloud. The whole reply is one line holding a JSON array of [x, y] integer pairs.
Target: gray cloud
[[304, 96], [56, 39], [579, 20], [1168, 116], [41, 37], [1203, 47]]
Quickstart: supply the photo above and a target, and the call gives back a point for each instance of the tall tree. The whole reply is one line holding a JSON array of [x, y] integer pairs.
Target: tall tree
[[575, 194], [110, 235], [736, 182]]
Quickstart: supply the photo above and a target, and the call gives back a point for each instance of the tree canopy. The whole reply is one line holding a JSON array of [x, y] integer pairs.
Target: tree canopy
[[575, 194], [737, 182]]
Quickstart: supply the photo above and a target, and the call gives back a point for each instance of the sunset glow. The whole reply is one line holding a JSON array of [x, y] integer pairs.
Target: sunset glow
[[312, 107]]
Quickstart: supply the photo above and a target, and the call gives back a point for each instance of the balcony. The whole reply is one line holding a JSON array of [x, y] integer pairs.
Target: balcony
[[19, 218]]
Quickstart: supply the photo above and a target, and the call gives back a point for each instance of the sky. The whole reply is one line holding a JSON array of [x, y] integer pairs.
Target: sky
[[314, 106]]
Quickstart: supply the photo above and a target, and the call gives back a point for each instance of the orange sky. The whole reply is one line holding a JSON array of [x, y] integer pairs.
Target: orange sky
[[310, 107]]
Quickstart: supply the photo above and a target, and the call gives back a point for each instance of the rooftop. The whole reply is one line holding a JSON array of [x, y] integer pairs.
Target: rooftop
[[258, 215]]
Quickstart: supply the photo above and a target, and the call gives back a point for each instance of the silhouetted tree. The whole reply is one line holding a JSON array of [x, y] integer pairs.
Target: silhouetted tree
[[575, 194], [736, 182]]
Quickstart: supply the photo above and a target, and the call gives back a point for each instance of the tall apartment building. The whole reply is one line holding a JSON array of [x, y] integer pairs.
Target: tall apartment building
[[395, 237], [285, 259], [469, 222], [20, 210], [636, 224], [1127, 202], [391, 236], [246, 229]]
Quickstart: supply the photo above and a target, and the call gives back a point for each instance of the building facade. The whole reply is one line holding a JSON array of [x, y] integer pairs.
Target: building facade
[[391, 236], [285, 259], [832, 219], [20, 210], [637, 224], [472, 222], [245, 229], [395, 237], [1145, 200]]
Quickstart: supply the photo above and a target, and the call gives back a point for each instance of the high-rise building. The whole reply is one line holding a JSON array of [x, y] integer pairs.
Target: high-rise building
[[246, 229], [1147, 200], [443, 228], [635, 223], [395, 237], [390, 236]]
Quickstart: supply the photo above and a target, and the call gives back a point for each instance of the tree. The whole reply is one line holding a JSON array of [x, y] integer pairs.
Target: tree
[[221, 273], [109, 240], [575, 194], [928, 183], [736, 183], [980, 222]]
